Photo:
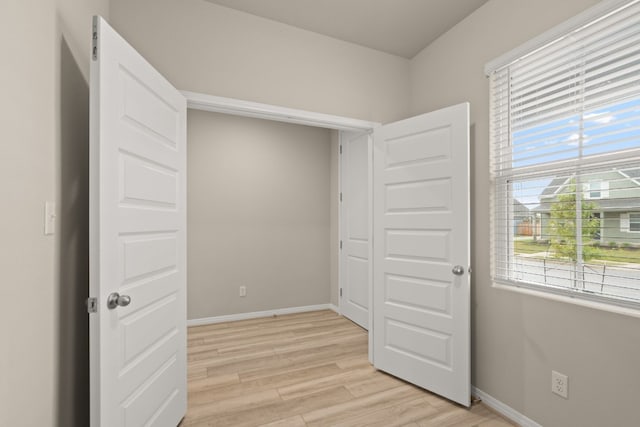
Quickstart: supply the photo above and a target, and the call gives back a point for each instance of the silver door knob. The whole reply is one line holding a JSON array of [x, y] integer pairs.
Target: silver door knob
[[116, 300], [458, 270]]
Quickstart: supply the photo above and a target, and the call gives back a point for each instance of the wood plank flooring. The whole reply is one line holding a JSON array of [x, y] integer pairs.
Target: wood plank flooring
[[307, 369]]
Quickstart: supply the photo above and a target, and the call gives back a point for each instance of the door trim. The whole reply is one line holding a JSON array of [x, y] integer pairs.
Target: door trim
[[238, 107]]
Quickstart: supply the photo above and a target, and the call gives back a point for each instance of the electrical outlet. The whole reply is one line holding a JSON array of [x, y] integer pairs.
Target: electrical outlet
[[243, 291], [560, 384]]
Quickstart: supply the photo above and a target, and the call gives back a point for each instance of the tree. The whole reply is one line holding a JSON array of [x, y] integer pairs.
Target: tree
[[562, 224]]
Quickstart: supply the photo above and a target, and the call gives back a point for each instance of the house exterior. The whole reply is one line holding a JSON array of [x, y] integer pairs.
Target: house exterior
[[522, 219], [616, 196]]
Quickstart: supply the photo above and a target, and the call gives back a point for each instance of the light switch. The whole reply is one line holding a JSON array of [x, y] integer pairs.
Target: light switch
[[49, 218]]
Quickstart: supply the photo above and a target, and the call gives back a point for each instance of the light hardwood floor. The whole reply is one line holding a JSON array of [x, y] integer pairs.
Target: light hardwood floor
[[308, 369]]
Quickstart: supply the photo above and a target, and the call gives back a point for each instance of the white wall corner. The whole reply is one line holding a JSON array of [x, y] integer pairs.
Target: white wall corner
[[503, 408]]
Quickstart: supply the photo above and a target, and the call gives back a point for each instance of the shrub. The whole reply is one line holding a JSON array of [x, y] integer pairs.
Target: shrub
[[613, 245], [562, 225]]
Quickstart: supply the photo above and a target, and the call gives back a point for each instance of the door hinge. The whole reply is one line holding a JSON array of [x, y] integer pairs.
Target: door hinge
[[341, 196], [340, 148], [94, 40], [340, 244], [340, 292], [92, 305]]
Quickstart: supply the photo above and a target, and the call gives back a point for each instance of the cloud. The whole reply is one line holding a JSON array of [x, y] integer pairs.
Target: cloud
[[574, 139], [601, 118]]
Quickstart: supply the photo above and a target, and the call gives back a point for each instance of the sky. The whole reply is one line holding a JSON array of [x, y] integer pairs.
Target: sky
[[613, 128]]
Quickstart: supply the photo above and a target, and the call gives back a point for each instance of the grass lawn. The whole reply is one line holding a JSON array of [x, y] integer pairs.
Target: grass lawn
[[530, 247], [618, 255], [624, 255]]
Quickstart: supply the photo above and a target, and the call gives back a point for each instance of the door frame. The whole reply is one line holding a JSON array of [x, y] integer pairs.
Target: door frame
[[238, 107]]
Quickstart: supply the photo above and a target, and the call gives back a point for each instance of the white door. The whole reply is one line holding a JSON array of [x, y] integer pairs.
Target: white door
[[137, 239], [355, 180], [421, 251]]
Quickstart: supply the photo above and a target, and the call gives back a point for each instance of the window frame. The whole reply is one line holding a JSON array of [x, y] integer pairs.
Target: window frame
[[561, 293], [592, 190], [632, 221]]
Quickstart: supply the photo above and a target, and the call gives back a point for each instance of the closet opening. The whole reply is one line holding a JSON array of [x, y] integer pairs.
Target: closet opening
[[278, 211]]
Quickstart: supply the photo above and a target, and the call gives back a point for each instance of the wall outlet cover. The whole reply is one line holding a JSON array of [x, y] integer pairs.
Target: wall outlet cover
[[560, 384]]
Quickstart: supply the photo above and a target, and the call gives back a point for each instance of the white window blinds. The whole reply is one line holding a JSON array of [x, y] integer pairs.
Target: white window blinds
[[565, 159]]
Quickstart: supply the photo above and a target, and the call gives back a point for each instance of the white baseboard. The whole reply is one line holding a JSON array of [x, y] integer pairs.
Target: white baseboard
[[334, 307], [503, 408], [257, 314]]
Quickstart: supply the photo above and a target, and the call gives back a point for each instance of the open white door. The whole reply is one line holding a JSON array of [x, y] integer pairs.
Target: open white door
[[421, 251], [355, 180], [137, 239]]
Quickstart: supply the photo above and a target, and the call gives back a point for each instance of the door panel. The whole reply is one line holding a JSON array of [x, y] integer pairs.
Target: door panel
[[137, 242], [355, 232], [421, 231]]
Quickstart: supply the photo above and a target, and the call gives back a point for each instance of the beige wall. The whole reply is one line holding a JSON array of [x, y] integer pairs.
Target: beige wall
[[43, 79], [258, 214], [27, 151], [207, 48], [517, 340]]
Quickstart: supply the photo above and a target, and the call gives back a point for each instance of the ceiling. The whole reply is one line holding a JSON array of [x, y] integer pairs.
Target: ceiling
[[399, 27]]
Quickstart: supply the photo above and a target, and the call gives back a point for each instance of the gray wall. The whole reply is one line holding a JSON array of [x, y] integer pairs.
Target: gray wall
[[518, 339], [43, 156], [611, 230], [258, 214]]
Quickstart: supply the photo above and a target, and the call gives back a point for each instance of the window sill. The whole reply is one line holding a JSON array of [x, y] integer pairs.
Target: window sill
[[611, 308]]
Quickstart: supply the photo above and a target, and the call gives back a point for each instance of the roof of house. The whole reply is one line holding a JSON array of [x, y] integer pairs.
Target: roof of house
[[554, 186], [620, 204], [633, 173], [558, 183], [520, 209]]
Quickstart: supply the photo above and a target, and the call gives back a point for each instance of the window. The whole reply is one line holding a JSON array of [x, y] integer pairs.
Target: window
[[565, 135], [596, 189], [634, 222]]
